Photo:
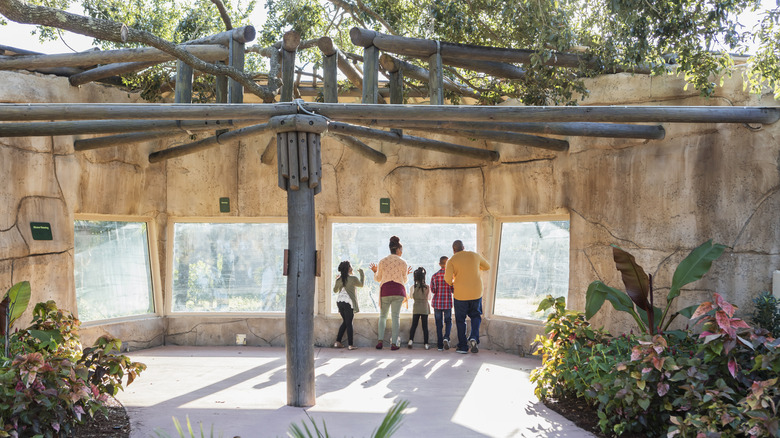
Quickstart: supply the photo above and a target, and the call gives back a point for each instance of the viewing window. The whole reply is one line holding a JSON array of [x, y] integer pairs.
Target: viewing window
[[112, 270], [365, 243], [229, 267], [532, 263]]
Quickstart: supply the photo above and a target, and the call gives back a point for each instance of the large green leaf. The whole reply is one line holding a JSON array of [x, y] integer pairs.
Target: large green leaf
[[19, 299], [694, 266], [634, 277], [598, 292]]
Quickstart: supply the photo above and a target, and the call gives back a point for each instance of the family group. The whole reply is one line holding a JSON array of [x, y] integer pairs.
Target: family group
[[457, 285]]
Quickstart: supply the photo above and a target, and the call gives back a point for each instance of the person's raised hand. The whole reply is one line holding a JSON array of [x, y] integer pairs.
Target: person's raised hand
[[372, 266]]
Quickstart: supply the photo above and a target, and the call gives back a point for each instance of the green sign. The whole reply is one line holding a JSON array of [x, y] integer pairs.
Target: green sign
[[41, 230], [224, 205], [384, 205]]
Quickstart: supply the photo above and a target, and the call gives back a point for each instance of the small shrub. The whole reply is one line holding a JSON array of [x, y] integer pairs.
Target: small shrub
[[766, 313], [52, 384]]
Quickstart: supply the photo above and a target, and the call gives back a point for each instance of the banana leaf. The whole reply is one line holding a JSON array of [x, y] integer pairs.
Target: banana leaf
[[634, 277], [694, 266]]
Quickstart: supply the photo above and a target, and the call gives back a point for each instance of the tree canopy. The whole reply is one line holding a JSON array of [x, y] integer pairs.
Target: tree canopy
[[694, 38]]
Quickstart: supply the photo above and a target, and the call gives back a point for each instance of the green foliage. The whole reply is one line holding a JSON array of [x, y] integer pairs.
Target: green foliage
[[51, 384], [766, 313], [720, 382], [639, 287], [181, 433]]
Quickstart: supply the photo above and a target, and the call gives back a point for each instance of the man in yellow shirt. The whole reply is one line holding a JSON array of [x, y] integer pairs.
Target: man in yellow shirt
[[463, 273]]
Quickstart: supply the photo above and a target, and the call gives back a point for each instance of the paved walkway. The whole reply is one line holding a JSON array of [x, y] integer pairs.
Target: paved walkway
[[241, 391]]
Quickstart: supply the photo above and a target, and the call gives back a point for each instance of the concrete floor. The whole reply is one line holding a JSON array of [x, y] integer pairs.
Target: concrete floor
[[241, 392]]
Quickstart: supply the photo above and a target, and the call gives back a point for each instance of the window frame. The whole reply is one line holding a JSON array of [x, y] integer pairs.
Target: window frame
[[170, 233], [489, 307], [328, 277], [154, 266]]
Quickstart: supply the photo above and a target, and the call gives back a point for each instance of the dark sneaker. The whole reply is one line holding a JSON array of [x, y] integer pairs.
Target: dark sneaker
[[395, 347], [473, 345], [462, 351], [446, 344], [379, 345]]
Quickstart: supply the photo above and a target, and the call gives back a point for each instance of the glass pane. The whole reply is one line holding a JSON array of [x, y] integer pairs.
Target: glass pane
[[365, 243], [229, 267], [533, 262], [112, 271]]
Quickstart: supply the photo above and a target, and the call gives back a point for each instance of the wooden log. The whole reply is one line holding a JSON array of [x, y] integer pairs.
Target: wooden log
[[281, 144], [436, 79], [299, 310], [408, 140], [384, 93], [291, 40], [299, 122], [410, 70], [330, 78], [107, 71], [222, 139], [326, 46], [292, 159], [284, 162], [142, 111], [183, 90], [361, 148], [509, 137], [243, 34], [123, 139], [370, 75], [303, 156], [236, 60], [221, 87], [493, 68], [576, 129], [423, 48], [207, 52], [397, 87], [47, 129], [613, 114], [288, 72], [315, 162]]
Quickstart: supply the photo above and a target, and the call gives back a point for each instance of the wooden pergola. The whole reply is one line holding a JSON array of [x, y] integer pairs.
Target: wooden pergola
[[300, 124]]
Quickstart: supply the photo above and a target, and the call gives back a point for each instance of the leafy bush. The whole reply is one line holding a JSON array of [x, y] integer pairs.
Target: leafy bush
[[721, 382], [766, 313], [51, 384]]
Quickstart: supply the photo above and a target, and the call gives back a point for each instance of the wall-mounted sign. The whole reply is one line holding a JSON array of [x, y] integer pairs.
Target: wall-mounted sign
[[41, 230], [384, 205], [224, 205]]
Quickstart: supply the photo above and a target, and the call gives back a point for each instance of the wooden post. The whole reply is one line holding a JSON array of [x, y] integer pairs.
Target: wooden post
[[292, 133], [236, 60], [183, 91], [330, 78], [396, 89], [289, 45], [370, 74], [221, 87], [436, 81]]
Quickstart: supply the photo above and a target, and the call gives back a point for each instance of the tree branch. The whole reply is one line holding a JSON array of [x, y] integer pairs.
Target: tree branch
[[223, 13], [21, 12], [361, 7]]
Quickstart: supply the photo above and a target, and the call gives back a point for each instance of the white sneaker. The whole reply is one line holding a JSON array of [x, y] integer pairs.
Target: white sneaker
[[427, 346], [409, 345]]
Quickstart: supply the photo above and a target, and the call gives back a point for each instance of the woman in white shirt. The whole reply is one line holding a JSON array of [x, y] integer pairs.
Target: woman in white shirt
[[391, 273]]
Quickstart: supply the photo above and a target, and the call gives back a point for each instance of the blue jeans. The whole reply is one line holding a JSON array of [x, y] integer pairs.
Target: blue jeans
[[392, 304], [446, 316], [472, 309]]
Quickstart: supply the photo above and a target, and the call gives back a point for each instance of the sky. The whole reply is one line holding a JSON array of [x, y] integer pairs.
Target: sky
[[19, 35]]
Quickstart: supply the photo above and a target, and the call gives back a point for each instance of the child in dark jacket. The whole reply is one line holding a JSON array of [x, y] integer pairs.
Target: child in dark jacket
[[421, 294]]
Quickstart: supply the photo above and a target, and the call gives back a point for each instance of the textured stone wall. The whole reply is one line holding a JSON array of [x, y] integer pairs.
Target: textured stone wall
[[657, 199]]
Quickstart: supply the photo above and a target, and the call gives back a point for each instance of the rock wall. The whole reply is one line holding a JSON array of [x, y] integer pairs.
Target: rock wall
[[657, 199]]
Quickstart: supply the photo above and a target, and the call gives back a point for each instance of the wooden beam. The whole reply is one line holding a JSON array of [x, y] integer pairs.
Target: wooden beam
[[87, 144], [436, 79], [408, 140], [209, 52], [236, 60], [361, 148], [613, 114], [183, 90], [221, 139], [535, 141], [47, 129], [410, 70], [107, 71], [243, 34], [423, 48], [370, 75], [291, 41], [576, 129]]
